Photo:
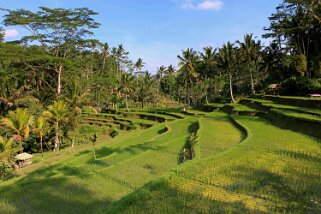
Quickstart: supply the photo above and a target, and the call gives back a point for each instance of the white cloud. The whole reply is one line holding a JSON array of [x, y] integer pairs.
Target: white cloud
[[203, 5], [11, 33]]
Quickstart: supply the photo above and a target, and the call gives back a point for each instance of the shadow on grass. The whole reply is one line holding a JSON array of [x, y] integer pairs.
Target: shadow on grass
[[286, 195], [300, 156], [192, 128], [161, 197], [43, 192]]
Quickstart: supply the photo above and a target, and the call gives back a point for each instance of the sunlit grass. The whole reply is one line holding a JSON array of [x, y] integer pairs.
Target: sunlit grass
[[274, 170]]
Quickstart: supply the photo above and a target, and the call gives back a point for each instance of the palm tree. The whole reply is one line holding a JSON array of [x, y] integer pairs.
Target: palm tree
[[187, 71], [139, 65], [121, 56], [170, 70], [7, 151], [159, 75], [58, 113], [104, 55], [144, 88], [250, 49], [41, 127], [126, 86], [228, 62], [19, 121], [208, 58]]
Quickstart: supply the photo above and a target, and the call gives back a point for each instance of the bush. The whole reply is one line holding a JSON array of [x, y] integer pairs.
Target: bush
[[113, 133], [89, 109], [301, 86], [5, 170], [88, 130]]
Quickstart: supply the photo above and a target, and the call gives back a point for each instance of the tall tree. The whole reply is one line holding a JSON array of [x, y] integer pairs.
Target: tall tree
[[228, 62], [208, 57], [126, 86], [170, 71], [20, 122], [121, 57], [58, 114], [139, 64], [187, 63], [7, 153], [296, 27], [59, 31], [104, 55], [159, 75], [41, 127], [250, 51]]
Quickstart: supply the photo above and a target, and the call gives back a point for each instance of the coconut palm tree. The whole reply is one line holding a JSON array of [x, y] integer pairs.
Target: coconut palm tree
[[20, 122], [250, 51], [228, 62], [41, 127], [170, 70], [208, 57], [139, 64], [58, 113], [121, 56], [126, 86], [104, 55], [144, 89], [7, 151], [187, 71], [159, 75]]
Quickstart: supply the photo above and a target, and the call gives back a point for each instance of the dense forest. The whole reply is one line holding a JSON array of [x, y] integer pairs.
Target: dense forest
[[49, 77]]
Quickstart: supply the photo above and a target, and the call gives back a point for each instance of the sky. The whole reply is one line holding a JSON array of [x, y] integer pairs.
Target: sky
[[158, 30]]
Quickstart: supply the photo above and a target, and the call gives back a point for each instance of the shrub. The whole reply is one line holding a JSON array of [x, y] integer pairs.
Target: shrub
[[188, 152], [113, 133], [301, 86], [89, 109], [5, 170]]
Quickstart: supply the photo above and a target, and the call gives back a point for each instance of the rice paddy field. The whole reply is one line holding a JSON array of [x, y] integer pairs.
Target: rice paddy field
[[242, 164]]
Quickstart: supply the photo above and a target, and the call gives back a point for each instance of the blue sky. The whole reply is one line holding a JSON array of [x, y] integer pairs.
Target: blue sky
[[157, 30]]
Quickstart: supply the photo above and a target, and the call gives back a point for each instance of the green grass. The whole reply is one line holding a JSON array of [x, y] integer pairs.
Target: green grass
[[267, 103], [78, 184], [211, 139], [299, 115], [242, 165], [274, 170], [243, 108]]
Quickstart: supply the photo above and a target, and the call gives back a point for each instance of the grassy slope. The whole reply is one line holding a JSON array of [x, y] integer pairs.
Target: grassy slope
[[211, 140], [274, 170], [81, 185]]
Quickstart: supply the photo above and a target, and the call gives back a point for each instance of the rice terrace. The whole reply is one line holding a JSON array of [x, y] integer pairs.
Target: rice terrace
[[89, 126]]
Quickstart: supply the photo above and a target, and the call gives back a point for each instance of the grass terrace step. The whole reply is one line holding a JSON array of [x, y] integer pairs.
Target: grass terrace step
[[269, 104], [304, 102], [239, 109], [272, 171], [211, 142], [80, 184]]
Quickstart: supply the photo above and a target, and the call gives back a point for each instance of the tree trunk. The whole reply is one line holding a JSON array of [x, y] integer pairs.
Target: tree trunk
[[21, 147], [73, 141], [231, 88], [126, 102], [206, 97], [59, 80], [41, 139], [57, 140], [252, 82]]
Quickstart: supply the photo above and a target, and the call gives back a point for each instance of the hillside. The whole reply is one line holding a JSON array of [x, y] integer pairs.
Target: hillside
[[242, 164]]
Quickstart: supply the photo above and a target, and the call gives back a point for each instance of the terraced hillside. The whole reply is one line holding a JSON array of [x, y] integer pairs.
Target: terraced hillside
[[243, 164], [82, 184], [271, 171]]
